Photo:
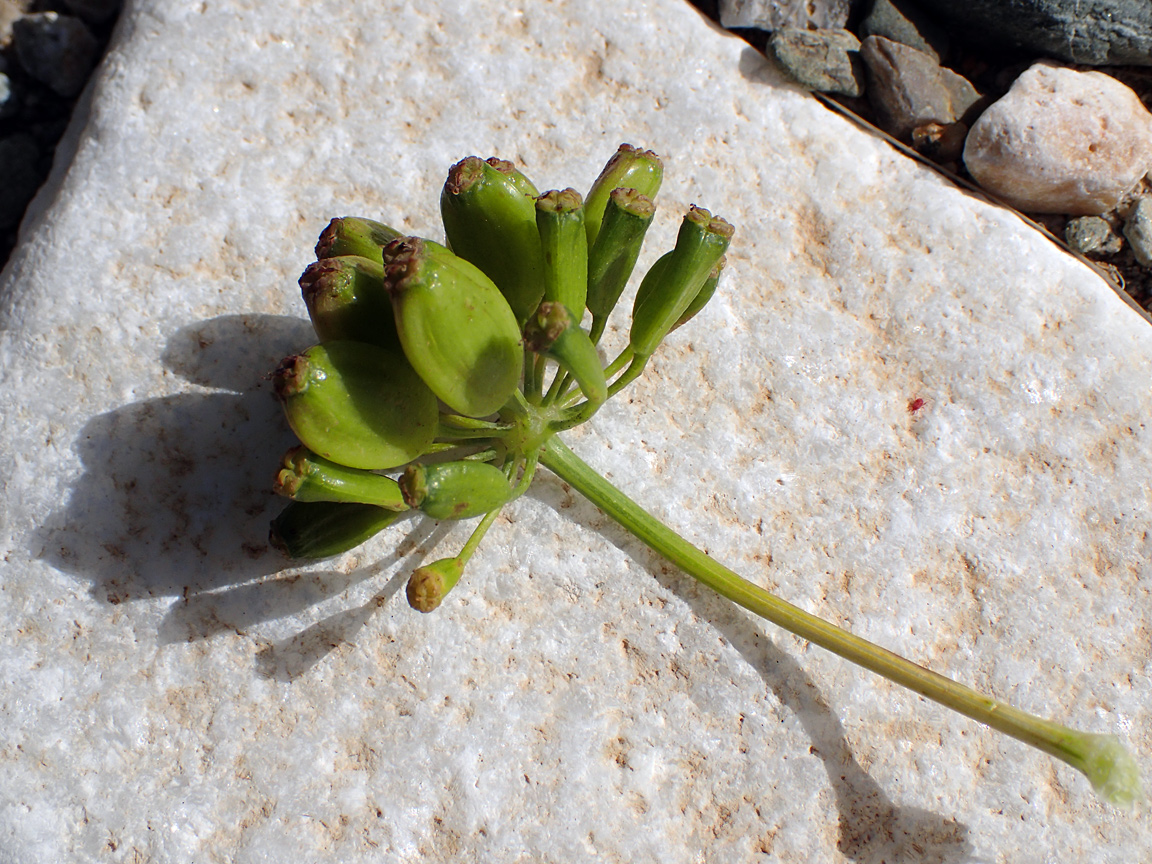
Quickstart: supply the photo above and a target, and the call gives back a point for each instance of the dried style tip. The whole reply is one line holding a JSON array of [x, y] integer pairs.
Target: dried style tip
[[321, 530], [522, 183], [428, 585], [352, 235], [630, 168], [545, 326], [346, 299]]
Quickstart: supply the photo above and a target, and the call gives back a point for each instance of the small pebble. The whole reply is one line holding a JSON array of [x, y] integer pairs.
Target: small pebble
[[57, 50], [941, 142], [1138, 230], [1061, 141], [19, 176], [771, 15], [9, 104], [908, 88], [824, 60], [1092, 235], [902, 22]]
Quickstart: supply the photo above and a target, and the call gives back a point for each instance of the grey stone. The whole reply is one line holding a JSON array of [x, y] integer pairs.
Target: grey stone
[[19, 176], [95, 11], [824, 60], [1061, 141], [907, 24], [1093, 32], [9, 101], [57, 50], [908, 88], [772, 15], [1092, 235], [1138, 230]]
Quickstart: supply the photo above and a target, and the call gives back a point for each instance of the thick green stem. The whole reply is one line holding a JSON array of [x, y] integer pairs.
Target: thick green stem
[[1100, 757]]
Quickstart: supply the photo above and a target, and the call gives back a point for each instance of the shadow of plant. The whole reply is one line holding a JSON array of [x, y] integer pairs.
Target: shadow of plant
[[175, 500], [872, 829]]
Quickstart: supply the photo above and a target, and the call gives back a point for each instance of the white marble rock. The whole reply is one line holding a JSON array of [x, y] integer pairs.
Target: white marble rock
[[174, 692]]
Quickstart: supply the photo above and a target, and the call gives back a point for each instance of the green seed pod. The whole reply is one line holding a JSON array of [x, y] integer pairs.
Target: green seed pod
[[456, 328], [703, 296], [489, 221], [324, 529], [613, 257], [553, 331], [560, 221], [522, 183], [701, 242], [304, 476], [455, 490], [429, 584], [351, 235], [346, 300], [356, 404], [631, 168]]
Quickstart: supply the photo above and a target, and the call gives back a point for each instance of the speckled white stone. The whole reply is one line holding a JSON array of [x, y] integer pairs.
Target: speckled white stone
[[174, 692]]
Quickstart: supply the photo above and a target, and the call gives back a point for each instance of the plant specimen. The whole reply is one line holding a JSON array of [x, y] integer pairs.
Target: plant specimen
[[460, 365]]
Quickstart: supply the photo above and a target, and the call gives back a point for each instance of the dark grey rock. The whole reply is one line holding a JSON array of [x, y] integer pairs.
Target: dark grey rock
[[907, 24], [1093, 32], [94, 11], [1092, 235], [909, 89], [1138, 230], [57, 50], [19, 176], [772, 15], [824, 60]]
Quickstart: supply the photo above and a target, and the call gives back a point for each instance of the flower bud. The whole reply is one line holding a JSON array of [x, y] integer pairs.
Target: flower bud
[[612, 258], [351, 235], [324, 529], [429, 584], [356, 404], [553, 331], [631, 168], [346, 300], [455, 490], [701, 242], [456, 329], [491, 222], [304, 476], [560, 221]]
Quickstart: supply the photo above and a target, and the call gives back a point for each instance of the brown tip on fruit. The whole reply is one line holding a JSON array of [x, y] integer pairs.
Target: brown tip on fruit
[[463, 174]]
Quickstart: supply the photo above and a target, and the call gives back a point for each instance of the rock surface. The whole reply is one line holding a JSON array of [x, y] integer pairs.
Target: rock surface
[[1094, 32], [1061, 141], [1138, 230], [58, 50], [904, 22], [774, 14], [824, 60], [173, 692], [908, 88], [1091, 235]]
